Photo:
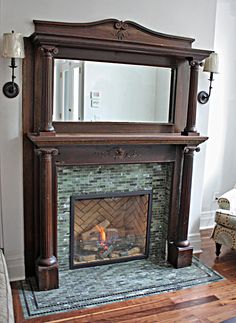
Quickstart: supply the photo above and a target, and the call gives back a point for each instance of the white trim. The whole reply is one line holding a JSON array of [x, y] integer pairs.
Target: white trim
[[1, 213], [207, 220], [195, 242], [16, 267]]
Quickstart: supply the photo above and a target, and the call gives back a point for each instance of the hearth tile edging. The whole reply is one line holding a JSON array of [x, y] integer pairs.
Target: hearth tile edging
[[197, 274]]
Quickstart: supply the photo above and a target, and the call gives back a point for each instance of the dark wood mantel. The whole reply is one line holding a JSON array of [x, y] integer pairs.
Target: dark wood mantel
[[114, 139], [48, 144]]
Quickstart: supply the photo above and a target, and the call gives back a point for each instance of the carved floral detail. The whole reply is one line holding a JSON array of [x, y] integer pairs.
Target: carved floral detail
[[121, 30], [118, 154]]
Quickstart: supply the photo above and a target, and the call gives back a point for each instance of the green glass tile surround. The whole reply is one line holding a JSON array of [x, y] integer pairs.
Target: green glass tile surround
[[116, 178]]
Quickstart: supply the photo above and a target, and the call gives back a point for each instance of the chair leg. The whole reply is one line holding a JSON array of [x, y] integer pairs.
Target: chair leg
[[218, 247]]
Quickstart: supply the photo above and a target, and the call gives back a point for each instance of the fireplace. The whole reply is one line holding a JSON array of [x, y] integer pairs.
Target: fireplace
[[108, 228], [144, 189], [105, 157]]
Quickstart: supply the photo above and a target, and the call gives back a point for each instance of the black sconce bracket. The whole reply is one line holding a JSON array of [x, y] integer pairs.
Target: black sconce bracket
[[11, 89], [203, 96]]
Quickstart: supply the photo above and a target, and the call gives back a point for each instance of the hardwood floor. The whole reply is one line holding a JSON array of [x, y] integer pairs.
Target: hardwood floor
[[214, 302]]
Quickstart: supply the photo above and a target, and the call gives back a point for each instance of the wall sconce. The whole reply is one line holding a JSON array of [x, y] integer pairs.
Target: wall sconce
[[13, 47], [211, 65]]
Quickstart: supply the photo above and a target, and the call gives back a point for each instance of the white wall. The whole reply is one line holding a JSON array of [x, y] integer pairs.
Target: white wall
[[220, 174], [183, 17]]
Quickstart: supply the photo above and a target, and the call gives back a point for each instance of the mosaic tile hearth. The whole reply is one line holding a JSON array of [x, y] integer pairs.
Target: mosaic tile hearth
[[110, 179], [100, 285]]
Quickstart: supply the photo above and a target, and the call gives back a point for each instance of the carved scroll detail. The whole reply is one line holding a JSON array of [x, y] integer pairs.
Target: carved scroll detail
[[121, 30]]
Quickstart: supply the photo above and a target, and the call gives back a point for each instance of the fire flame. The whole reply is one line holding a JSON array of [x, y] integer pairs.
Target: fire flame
[[102, 233]]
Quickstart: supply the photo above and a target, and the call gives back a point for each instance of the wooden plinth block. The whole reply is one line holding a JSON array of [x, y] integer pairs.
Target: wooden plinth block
[[47, 277], [180, 257]]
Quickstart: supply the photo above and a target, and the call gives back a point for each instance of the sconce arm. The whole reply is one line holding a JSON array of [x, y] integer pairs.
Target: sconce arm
[[203, 96]]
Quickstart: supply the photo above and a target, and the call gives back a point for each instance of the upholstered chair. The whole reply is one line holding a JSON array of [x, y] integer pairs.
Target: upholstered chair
[[224, 232]]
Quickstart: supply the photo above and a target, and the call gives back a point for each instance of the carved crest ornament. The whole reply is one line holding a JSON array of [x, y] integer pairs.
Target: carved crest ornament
[[122, 31]]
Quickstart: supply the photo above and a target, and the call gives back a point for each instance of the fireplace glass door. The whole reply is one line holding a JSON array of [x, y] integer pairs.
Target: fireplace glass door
[[107, 228]]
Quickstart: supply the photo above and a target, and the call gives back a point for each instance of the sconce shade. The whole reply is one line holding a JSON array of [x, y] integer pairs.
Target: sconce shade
[[13, 45], [212, 63]]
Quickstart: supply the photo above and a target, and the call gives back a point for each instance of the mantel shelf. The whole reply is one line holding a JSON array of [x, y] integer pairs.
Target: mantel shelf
[[63, 139]]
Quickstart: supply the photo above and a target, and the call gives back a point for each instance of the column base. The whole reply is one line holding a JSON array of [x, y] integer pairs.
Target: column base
[[47, 277], [179, 257], [47, 133], [189, 133]]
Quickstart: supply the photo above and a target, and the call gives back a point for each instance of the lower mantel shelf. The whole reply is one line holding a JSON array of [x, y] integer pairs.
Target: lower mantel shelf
[[60, 139]]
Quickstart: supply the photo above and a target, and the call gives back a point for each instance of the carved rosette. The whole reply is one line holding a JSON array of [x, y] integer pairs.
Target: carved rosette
[[122, 31]]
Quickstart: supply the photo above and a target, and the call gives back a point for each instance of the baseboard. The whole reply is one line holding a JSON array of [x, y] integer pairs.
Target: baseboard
[[207, 220], [16, 267], [195, 242]]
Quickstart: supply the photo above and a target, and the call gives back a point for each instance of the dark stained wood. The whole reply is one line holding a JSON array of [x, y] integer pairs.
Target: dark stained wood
[[126, 36], [175, 195], [185, 196], [47, 90], [100, 142], [181, 97], [114, 154], [179, 257], [179, 252], [123, 30], [99, 41], [110, 138], [206, 303], [111, 127], [192, 101], [47, 267]]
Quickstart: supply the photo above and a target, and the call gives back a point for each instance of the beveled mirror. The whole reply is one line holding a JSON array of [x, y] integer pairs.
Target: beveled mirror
[[101, 91]]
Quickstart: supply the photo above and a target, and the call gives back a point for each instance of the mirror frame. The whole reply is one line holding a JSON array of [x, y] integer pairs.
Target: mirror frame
[[112, 41]]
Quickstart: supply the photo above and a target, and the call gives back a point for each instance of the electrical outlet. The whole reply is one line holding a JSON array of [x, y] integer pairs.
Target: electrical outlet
[[216, 196]]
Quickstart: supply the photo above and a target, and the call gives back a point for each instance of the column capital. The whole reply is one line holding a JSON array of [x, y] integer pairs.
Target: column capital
[[46, 151], [191, 149], [49, 50], [194, 63]]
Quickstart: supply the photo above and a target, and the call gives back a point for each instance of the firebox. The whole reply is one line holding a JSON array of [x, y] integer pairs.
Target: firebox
[[111, 227]]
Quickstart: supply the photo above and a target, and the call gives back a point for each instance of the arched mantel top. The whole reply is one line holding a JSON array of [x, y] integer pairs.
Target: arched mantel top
[[115, 35], [112, 29]]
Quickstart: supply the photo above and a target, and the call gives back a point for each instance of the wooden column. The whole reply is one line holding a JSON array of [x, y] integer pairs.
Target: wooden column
[[180, 253], [46, 265], [190, 129], [46, 126]]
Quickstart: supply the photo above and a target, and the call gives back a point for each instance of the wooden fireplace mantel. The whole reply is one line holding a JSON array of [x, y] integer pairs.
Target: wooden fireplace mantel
[[114, 139], [48, 144]]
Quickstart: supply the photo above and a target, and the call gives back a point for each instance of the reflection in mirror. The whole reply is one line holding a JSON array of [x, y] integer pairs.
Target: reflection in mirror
[[96, 91]]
